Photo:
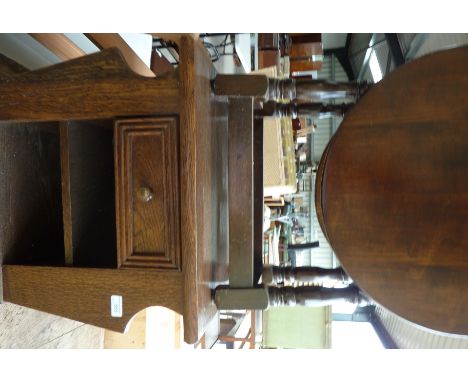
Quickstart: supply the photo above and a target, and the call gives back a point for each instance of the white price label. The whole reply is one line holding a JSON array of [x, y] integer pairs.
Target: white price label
[[116, 306]]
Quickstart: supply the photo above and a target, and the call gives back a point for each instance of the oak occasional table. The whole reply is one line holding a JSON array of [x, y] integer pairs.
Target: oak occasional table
[[392, 192], [114, 190]]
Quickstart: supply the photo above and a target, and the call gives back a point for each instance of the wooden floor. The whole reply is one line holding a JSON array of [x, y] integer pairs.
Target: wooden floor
[[24, 328]]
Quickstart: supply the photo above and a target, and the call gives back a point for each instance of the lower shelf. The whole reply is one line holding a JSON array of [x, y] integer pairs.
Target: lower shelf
[[88, 193], [57, 194], [31, 230]]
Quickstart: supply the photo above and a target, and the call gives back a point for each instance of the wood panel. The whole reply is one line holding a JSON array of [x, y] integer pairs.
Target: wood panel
[[203, 164], [255, 85], [394, 192], [269, 58], [114, 40], [96, 86], [59, 44], [301, 56], [31, 225], [83, 294], [301, 38], [258, 200], [241, 192], [318, 189], [267, 41], [147, 192], [66, 197], [92, 193], [160, 65]]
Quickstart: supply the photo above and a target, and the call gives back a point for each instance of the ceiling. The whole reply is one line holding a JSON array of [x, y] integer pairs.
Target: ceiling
[[333, 40]]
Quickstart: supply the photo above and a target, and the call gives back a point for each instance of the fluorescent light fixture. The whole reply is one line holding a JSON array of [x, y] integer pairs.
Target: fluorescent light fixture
[[375, 67]]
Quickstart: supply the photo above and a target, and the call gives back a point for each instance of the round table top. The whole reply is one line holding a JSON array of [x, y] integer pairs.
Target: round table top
[[392, 192]]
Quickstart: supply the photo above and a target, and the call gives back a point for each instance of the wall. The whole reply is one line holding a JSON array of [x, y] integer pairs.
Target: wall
[[297, 328]]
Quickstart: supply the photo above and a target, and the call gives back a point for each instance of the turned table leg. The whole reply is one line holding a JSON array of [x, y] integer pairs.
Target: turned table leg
[[273, 275], [313, 90], [295, 110], [312, 296], [272, 89], [265, 297]]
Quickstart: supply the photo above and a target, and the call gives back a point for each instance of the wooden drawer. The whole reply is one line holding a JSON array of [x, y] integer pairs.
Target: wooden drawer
[[147, 195]]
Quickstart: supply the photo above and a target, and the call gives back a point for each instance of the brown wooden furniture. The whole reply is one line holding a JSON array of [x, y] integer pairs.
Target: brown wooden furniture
[[114, 184], [269, 52], [306, 52], [117, 189], [268, 41], [392, 192], [65, 49]]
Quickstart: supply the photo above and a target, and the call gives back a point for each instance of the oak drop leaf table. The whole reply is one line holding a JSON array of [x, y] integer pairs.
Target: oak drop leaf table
[[392, 192]]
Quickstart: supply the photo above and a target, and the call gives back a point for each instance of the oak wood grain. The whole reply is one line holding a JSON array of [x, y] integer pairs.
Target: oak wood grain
[[258, 201], [84, 293], [146, 154], [160, 65], [92, 193], [239, 85], [394, 192], [31, 225], [100, 85], [318, 189], [66, 197], [203, 175], [241, 192]]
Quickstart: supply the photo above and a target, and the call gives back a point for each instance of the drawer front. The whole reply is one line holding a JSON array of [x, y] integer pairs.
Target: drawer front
[[146, 157]]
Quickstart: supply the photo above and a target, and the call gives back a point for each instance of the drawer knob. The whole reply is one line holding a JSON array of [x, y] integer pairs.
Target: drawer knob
[[145, 194]]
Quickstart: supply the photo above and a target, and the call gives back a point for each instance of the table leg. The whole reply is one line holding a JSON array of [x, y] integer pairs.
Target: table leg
[[273, 275], [313, 296], [263, 298], [273, 89], [296, 110]]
